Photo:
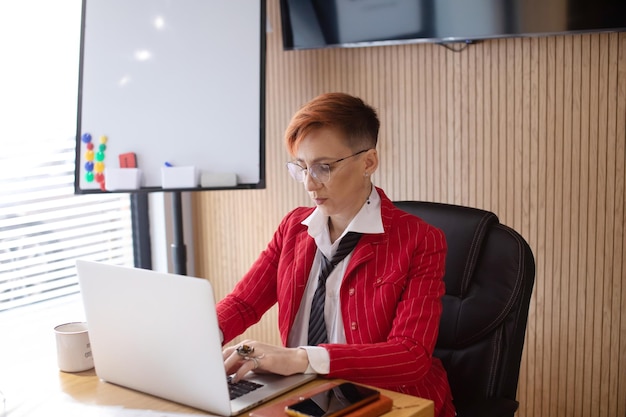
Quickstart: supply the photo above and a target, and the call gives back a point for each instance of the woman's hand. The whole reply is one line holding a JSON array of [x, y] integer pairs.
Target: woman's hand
[[250, 355]]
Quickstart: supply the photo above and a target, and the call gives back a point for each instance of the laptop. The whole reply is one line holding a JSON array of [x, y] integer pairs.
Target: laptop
[[157, 333]]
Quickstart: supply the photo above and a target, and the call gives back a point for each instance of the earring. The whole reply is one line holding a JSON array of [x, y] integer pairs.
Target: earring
[[366, 174]]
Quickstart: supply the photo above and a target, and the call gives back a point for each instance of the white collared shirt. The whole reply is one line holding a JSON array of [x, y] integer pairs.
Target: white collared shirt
[[368, 221]]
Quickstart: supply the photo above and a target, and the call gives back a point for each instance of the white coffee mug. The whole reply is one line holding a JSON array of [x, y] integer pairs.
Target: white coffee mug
[[73, 347]]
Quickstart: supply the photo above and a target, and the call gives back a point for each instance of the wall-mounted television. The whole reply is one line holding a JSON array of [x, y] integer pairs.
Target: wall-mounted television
[[309, 24]]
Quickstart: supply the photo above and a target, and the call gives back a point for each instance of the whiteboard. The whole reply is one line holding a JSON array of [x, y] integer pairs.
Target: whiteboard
[[174, 82]]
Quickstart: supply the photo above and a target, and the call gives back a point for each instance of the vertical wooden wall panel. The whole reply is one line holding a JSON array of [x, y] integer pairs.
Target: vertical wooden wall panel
[[573, 379], [533, 129], [566, 232], [619, 330], [586, 278]]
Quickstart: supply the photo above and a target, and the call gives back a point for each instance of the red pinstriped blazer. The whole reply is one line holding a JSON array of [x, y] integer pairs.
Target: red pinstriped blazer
[[390, 301]]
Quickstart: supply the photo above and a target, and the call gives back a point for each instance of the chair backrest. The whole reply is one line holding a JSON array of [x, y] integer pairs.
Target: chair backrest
[[490, 272]]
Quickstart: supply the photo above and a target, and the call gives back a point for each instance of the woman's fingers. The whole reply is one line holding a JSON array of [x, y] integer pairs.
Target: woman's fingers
[[250, 355], [240, 359]]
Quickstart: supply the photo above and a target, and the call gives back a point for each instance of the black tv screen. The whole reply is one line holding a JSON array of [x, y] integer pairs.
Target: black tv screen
[[309, 24]]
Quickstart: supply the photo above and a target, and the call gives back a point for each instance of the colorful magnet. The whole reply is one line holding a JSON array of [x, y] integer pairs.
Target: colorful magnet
[[86, 137], [93, 160]]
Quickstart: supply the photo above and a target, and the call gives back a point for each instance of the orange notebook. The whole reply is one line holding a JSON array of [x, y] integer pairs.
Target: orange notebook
[[374, 409]]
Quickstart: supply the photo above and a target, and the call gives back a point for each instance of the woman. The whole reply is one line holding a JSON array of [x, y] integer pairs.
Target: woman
[[377, 312]]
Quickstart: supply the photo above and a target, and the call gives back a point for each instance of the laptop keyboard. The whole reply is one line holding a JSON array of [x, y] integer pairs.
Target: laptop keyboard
[[237, 389]]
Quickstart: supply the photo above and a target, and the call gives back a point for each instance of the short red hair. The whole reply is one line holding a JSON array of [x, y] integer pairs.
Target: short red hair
[[351, 116]]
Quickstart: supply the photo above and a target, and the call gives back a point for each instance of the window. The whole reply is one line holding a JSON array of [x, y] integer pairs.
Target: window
[[44, 227]]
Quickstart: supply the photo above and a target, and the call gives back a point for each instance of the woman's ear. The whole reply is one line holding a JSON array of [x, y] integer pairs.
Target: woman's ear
[[371, 162]]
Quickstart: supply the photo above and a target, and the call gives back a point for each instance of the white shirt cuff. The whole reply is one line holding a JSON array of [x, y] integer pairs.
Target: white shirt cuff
[[319, 360]]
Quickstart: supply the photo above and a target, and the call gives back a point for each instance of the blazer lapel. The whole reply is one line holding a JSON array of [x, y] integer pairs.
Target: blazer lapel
[[369, 243]]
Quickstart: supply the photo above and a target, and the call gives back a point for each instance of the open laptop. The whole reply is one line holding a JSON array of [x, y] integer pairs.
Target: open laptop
[[157, 333]]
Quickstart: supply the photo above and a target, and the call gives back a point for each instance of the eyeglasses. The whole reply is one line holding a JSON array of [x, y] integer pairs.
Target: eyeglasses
[[319, 172]]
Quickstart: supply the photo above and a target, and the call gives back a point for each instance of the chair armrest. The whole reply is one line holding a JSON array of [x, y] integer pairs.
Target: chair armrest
[[493, 407]]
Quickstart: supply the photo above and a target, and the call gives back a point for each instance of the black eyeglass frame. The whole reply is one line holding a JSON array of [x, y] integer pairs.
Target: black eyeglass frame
[[293, 167]]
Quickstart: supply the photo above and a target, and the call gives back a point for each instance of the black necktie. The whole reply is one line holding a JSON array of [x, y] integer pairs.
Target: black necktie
[[317, 325]]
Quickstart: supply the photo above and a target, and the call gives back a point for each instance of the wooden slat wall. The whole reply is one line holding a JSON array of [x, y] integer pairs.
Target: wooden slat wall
[[530, 128]]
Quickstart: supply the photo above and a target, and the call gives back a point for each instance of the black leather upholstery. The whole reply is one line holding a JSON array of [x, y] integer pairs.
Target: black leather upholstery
[[490, 272]]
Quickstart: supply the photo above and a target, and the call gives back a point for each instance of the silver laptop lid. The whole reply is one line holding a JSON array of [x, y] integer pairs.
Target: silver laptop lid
[[156, 333]]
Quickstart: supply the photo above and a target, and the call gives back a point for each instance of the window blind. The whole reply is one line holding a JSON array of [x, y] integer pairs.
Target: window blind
[[45, 227]]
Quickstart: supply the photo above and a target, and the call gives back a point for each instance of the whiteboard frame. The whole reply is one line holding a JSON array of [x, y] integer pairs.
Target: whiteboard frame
[[111, 152]]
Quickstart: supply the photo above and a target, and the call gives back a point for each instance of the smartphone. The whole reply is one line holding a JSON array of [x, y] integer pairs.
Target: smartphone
[[333, 402]]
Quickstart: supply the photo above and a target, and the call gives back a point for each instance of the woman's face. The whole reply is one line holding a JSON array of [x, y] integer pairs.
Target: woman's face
[[349, 185]]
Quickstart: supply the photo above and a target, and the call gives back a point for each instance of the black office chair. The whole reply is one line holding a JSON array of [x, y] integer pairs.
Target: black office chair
[[490, 272]]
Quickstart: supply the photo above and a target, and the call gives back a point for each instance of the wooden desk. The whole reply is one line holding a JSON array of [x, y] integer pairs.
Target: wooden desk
[[84, 394], [33, 386]]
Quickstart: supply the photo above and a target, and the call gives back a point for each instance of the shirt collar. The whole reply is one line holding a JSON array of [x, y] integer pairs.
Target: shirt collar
[[367, 220]]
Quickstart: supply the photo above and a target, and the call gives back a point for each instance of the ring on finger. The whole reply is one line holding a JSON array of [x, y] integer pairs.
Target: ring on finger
[[245, 351], [255, 360]]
